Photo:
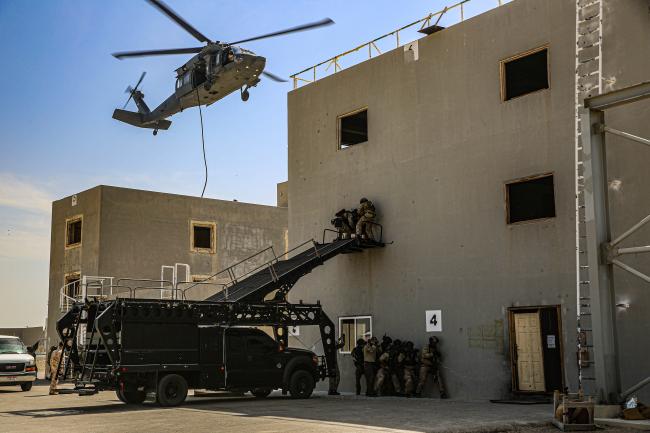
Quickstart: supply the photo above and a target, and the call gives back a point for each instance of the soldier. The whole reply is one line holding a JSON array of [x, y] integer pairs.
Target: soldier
[[357, 357], [382, 373], [409, 368], [334, 381], [369, 362], [344, 223], [429, 364], [54, 365], [395, 361], [366, 213]]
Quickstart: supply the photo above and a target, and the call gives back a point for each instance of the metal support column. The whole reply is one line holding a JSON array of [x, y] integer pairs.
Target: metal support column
[[600, 272]]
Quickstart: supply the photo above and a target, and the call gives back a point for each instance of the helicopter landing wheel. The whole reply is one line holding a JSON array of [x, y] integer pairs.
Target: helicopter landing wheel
[[155, 132], [245, 95]]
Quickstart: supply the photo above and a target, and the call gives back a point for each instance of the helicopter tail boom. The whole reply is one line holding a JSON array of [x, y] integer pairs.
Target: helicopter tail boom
[[137, 119]]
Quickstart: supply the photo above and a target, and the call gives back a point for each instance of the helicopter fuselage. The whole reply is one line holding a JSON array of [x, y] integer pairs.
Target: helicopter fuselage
[[206, 78]]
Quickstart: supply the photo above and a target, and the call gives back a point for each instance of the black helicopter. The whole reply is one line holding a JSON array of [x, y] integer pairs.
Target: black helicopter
[[217, 70]]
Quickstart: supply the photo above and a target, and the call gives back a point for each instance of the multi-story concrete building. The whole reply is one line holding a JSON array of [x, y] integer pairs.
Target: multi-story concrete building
[[126, 233], [466, 144]]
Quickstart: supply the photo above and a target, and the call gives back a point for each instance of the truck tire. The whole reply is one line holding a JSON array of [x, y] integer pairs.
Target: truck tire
[[261, 392], [131, 397], [26, 386], [172, 390], [301, 384]]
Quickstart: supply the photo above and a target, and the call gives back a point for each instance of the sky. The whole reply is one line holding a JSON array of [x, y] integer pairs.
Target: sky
[[60, 85]]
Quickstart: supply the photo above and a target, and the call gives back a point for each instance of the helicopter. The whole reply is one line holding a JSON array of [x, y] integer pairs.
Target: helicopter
[[216, 70]]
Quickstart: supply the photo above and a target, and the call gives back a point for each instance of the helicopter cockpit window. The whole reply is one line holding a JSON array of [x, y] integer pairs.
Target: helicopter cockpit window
[[228, 56]]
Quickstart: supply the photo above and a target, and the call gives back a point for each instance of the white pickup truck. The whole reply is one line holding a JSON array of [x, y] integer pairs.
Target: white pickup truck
[[17, 367]]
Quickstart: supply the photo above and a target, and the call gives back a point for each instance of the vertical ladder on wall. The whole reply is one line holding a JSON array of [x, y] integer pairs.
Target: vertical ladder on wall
[[588, 83]]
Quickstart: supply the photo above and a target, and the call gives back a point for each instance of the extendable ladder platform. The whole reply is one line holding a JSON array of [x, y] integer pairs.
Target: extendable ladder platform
[[281, 275]]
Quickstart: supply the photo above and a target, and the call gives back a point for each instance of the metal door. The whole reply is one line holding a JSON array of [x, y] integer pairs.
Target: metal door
[[211, 357]]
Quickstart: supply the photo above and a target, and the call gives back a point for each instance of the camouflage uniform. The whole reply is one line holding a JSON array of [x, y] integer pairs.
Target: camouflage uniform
[[54, 365], [382, 372], [369, 362], [409, 369], [334, 381], [396, 367], [429, 360], [366, 214]]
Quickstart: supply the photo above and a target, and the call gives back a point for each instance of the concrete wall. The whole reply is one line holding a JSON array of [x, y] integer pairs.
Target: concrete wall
[[84, 258], [625, 63], [441, 145], [130, 233]]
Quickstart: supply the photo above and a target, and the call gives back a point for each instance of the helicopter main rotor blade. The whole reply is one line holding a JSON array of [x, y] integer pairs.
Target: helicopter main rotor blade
[[162, 7], [124, 54], [274, 77], [321, 23]]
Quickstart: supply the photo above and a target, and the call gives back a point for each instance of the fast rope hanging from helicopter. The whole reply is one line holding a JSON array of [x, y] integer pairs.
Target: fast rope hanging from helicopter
[[205, 162]]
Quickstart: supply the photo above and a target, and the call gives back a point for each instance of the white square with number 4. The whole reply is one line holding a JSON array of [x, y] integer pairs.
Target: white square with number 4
[[434, 320]]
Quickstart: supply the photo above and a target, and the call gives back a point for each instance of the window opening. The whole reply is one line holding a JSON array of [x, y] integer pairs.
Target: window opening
[[354, 328], [73, 285], [530, 199], [73, 232], [525, 74], [203, 237], [353, 128]]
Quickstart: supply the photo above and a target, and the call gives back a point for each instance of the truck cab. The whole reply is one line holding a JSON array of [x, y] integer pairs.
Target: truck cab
[[17, 366]]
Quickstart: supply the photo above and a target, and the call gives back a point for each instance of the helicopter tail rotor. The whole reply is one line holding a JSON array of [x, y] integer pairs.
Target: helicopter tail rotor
[[131, 90]]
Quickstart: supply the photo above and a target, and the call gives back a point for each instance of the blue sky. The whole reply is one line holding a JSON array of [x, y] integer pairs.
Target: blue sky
[[60, 85]]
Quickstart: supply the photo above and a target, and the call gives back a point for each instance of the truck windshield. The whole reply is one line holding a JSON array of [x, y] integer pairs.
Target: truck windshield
[[12, 345]]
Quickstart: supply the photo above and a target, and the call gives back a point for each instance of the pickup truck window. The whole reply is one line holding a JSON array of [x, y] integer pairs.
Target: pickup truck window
[[260, 344]]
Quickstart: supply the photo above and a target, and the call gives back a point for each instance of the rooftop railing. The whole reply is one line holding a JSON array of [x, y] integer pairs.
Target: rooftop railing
[[332, 65]]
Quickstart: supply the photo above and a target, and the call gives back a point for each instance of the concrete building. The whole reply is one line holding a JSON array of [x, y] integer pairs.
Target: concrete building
[[125, 233], [466, 144]]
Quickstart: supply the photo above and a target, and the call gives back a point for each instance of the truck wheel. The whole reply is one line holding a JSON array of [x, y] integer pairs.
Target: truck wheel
[[172, 390], [261, 392], [26, 386], [131, 397], [301, 384]]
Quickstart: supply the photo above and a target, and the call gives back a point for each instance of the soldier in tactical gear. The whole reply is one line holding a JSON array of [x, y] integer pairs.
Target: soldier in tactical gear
[[334, 381], [344, 223], [429, 364], [369, 365], [409, 360], [357, 357], [382, 373], [366, 213], [395, 364], [55, 358]]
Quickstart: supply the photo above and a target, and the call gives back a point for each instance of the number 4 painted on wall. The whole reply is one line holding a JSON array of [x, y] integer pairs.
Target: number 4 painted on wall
[[434, 320]]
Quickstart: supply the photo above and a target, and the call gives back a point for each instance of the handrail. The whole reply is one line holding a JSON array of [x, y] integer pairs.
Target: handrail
[[334, 61], [173, 290]]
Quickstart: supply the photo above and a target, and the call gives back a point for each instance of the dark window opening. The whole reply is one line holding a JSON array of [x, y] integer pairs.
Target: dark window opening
[[72, 286], [73, 233], [203, 237], [530, 199], [526, 74], [353, 129]]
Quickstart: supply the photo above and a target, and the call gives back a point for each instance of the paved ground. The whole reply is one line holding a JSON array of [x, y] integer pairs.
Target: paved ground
[[35, 411]]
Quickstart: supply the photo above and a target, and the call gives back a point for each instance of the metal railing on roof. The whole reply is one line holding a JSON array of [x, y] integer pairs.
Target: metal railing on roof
[[372, 47]]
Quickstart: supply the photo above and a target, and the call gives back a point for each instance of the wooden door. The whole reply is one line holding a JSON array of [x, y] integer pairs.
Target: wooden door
[[530, 361]]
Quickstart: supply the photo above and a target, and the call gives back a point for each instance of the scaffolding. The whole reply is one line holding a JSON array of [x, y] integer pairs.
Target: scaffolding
[[603, 252]]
